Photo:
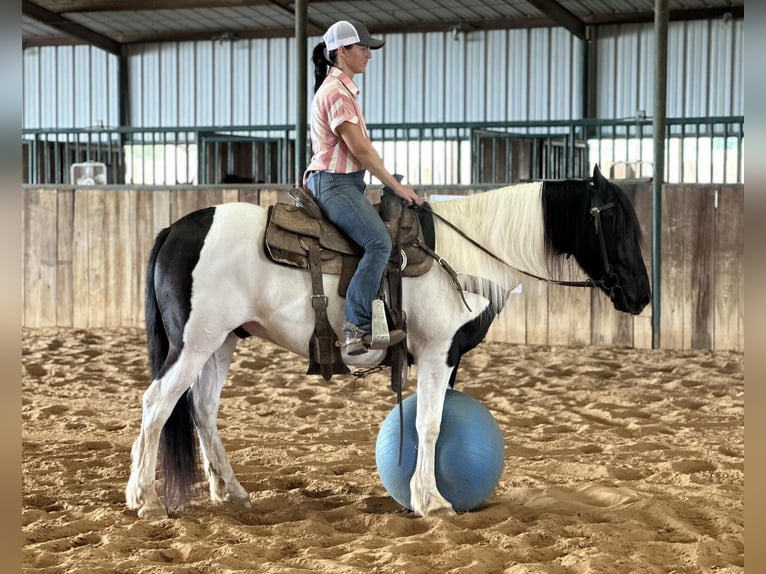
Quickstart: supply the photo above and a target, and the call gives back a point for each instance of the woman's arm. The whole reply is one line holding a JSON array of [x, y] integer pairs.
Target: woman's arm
[[367, 155]]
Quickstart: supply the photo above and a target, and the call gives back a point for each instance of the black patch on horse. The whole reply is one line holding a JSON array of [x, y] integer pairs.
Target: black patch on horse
[[472, 333], [175, 261]]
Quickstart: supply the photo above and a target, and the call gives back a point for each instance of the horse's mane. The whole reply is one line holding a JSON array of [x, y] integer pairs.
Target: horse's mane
[[564, 198], [508, 221], [530, 226], [565, 216]]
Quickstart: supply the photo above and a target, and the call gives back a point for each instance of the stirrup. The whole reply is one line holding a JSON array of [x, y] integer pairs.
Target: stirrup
[[359, 341], [360, 345], [380, 338], [392, 338]]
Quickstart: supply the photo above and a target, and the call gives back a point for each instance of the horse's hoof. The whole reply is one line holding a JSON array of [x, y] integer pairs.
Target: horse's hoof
[[435, 507], [156, 513], [243, 502], [441, 512]]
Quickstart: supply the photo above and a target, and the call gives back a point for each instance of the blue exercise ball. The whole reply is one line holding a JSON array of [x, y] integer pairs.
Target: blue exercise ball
[[470, 452]]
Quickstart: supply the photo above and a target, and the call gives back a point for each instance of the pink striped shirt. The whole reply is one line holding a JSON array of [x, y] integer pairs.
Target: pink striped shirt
[[334, 103]]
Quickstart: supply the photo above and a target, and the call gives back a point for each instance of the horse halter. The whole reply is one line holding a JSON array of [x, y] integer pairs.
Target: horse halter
[[610, 282]]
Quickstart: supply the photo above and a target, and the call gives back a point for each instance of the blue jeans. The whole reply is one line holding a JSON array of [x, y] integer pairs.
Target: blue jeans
[[342, 199]]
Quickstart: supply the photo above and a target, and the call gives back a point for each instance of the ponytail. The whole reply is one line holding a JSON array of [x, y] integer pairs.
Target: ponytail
[[321, 64]]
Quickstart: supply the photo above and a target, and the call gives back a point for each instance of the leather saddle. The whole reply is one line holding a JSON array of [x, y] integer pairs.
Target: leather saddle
[[293, 229], [301, 236]]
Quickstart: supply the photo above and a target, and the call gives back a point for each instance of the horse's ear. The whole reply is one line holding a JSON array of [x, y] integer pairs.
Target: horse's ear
[[597, 173]]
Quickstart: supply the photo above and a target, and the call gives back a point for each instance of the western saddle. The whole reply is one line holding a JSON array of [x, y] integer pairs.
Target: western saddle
[[301, 236]]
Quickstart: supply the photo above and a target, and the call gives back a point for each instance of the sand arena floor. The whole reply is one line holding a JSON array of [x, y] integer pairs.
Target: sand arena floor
[[617, 461]]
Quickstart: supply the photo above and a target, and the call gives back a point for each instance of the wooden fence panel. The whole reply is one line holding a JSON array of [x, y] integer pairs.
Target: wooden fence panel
[[729, 271], [699, 263], [510, 325], [39, 245], [641, 194], [568, 312], [268, 197], [608, 326], [152, 215], [674, 286], [536, 295], [184, 201], [115, 295], [516, 317], [250, 196], [121, 261], [65, 274], [98, 263], [80, 257]]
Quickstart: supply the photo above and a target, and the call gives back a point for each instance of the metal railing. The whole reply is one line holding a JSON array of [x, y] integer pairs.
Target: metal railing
[[699, 150]]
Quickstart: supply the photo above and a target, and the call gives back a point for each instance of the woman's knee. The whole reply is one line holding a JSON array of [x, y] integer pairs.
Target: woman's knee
[[380, 243]]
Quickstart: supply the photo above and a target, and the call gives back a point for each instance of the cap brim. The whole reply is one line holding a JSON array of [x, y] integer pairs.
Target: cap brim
[[374, 43]]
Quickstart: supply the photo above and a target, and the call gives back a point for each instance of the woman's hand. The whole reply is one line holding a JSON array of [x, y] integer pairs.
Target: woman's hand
[[407, 193]]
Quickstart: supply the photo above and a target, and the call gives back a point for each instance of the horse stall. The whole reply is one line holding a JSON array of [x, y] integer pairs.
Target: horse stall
[[85, 251]]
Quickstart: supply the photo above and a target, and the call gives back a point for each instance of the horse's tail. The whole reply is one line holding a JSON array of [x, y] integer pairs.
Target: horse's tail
[[178, 447], [156, 337]]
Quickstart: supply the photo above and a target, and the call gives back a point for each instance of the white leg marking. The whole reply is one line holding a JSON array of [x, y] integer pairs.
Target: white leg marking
[[433, 380], [224, 486], [158, 402]]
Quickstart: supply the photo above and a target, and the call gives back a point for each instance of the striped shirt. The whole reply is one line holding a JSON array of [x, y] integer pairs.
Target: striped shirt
[[334, 103]]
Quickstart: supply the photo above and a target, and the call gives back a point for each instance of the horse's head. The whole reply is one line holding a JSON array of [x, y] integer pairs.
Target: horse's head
[[610, 249]]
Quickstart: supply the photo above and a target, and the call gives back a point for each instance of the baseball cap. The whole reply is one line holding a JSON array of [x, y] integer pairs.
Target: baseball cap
[[347, 32]]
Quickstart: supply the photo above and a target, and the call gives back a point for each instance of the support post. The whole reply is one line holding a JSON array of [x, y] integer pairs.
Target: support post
[[119, 175], [301, 103], [658, 131]]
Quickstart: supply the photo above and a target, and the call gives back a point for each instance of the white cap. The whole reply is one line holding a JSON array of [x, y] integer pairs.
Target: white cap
[[347, 32]]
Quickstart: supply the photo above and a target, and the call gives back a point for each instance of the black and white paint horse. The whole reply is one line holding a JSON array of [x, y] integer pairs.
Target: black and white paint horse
[[208, 277]]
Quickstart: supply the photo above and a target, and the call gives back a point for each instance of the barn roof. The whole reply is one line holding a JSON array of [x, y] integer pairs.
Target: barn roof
[[110, 24]]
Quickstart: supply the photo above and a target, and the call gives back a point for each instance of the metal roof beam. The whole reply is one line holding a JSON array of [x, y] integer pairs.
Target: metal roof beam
[[289, 7], [70, 28], [132, 5], [315, 28], [674, 15], [561, 16]]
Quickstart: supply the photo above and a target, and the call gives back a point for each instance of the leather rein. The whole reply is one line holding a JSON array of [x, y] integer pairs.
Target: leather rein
[[609, 281]]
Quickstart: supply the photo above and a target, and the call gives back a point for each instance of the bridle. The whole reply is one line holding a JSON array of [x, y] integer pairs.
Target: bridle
[[609, 281]]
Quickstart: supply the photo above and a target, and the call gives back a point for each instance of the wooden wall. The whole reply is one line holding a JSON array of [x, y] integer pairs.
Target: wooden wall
[[84, 252]]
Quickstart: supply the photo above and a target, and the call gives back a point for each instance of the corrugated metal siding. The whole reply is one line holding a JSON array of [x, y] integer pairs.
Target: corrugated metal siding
[[513, 75], [480, 76], [475, 77], [705, 59], [69, 86]]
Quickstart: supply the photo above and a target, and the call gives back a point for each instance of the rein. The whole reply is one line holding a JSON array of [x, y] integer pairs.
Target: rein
[[609, 281]]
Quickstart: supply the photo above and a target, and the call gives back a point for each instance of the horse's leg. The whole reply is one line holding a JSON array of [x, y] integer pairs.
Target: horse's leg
[[158, 402], [433, 380], [207, 396]]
